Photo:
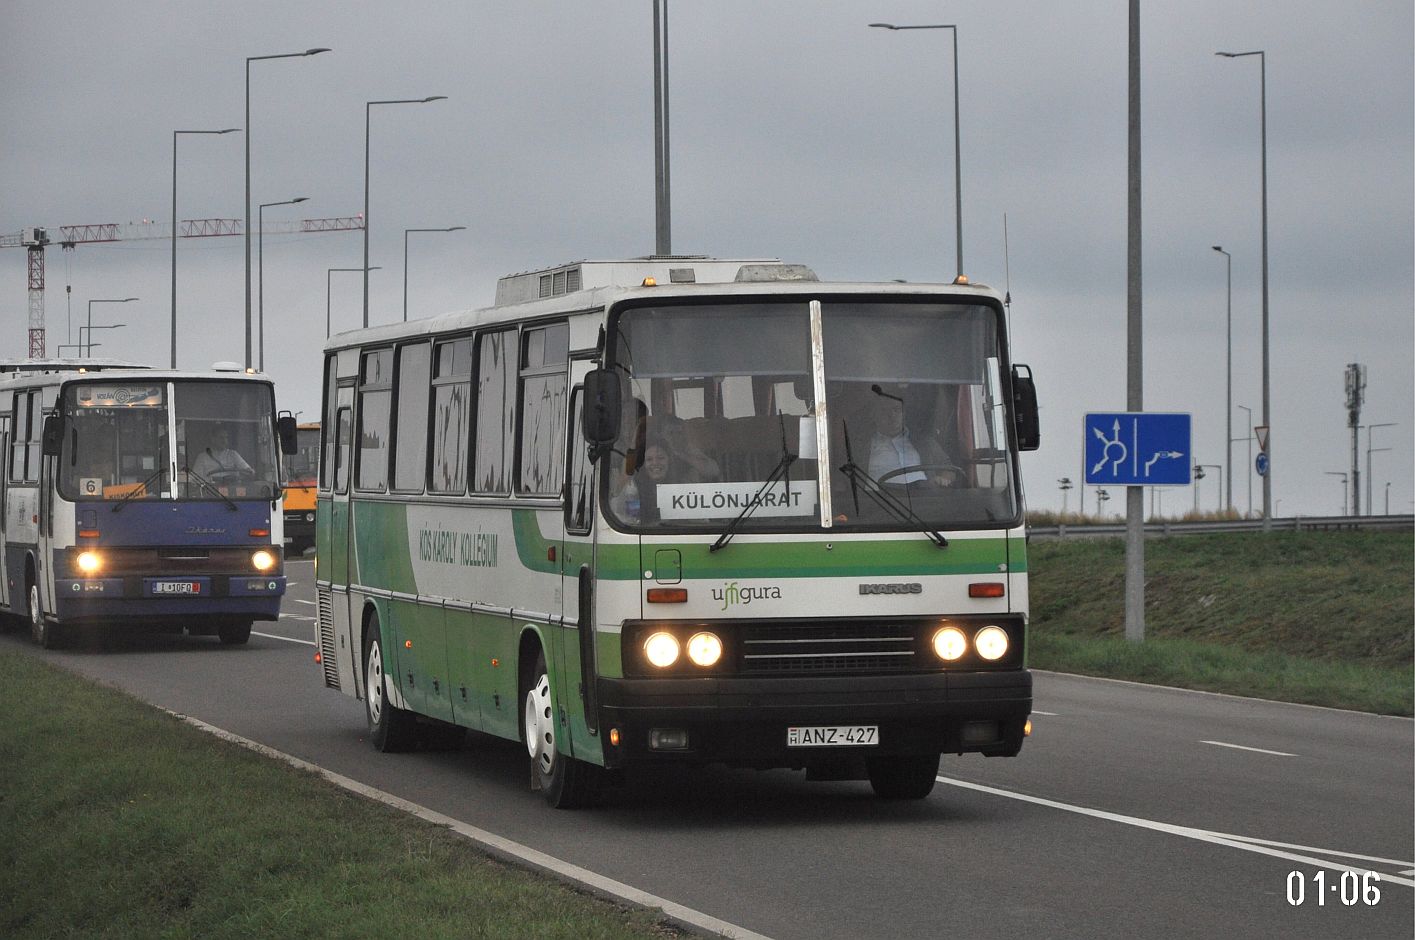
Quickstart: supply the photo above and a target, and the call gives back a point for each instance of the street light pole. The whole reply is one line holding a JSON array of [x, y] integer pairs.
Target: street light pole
[[90, 329], [105, 300], [957, 145], [1370, 507], [1228, 376], [1249, 439], [1267, 412], [454, 228], [228, 130], [368, 110], [260, 265], [247, 225], [327, 278], [1344, 501]]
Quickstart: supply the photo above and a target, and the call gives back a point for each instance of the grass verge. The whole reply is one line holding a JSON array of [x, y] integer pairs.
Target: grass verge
[[1323, 618], [122, 821]]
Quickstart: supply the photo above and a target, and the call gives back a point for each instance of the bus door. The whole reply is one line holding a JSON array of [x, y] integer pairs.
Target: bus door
[[577, 575], [340, 540], [4, 510]]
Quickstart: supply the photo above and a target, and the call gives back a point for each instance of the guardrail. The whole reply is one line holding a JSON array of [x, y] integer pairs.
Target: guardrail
[[1212, 526]]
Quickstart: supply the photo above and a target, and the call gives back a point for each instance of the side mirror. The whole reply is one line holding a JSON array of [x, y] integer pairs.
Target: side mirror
[[53, 435], [285, 427], [600, 418], [1024, 409]]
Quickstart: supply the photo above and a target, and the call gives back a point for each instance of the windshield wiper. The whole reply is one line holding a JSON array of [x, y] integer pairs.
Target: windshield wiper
[[140, 488], [211, 486], [875, 491], [780, 471]]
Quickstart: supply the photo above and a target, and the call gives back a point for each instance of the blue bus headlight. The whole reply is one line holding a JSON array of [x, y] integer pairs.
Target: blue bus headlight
[[991, 643], [263, 560], [89, 562]]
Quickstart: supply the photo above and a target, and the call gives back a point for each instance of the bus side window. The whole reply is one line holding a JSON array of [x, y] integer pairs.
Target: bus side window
[[343, 429], [579, 495]]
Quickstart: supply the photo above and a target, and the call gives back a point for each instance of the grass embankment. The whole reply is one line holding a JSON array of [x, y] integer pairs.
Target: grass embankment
[[121, 821], [1323, 618]]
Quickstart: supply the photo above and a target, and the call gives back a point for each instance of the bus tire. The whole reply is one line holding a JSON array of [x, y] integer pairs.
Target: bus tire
[[391, 729], [44, 633], [567, 783], [903, 778], [234, 634]]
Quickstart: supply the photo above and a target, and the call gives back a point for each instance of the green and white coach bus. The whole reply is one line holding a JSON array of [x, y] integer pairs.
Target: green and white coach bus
[[683, 510]]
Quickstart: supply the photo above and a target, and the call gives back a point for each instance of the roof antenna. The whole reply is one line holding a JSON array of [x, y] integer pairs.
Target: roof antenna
[[1007, 287]]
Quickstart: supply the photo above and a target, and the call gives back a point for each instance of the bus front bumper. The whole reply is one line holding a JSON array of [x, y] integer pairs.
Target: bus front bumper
[[747, 721], [248, 597]]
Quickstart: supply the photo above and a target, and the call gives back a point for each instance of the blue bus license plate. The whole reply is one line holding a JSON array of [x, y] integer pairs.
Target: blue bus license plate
[[171, 588]]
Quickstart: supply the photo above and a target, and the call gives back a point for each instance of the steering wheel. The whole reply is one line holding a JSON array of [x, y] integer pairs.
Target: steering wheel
[[232, 476], [930, 470]]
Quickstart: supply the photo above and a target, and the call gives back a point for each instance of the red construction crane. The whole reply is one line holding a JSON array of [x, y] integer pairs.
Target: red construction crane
[[34, 241]]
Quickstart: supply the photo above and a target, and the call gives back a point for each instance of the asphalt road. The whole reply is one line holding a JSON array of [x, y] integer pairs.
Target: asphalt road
[[1132, 810]]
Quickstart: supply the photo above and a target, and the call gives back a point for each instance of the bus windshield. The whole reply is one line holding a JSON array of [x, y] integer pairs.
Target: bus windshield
[[721, 415], [118, 441]]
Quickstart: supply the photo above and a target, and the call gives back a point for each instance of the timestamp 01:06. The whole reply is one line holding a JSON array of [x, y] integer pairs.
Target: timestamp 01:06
[[1351, 887]]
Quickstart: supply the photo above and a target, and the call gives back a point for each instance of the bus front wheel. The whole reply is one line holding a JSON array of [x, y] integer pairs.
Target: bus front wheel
[[903, 778], [234, 634], [566, 782], [390, 728], [43, 632]]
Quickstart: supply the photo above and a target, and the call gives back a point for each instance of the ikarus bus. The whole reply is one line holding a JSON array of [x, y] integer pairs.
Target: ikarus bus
[[683, 510], [139, 499]]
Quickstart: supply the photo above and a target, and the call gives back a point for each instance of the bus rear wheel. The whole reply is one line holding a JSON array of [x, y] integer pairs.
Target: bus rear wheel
[[44, 633], [391, 729], [566, 782], [903, 778]]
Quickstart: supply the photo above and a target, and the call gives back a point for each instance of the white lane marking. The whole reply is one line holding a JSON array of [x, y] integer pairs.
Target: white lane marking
[[1241, 747], [296, 617], [301, 601], [287, 639], [1202, 835], [503, 848], [1048, 714]]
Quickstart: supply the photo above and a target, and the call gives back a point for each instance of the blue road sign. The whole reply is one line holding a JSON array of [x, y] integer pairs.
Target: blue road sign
[[1260, 463], [1137, 448]]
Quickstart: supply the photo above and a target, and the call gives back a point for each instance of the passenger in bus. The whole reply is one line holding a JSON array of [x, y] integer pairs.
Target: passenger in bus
[[638, 498], [220, 462], [894, 449]]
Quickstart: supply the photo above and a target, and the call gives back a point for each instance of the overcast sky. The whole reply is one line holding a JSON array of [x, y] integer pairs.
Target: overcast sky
[[797, 133]]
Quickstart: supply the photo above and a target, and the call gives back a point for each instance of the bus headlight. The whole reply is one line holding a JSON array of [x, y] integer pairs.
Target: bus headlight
[[704, 649], [89, 562], [950, 644], [661, 650], [991, 643], [263, 560]]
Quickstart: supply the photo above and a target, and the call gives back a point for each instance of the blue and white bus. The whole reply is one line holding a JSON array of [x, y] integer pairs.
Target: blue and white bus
[[134, 497]]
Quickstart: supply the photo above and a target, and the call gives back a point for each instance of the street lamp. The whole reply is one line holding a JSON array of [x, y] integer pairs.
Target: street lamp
[[1219, 468], [90, 329], [329, 275], [368, 110], [228, 130], [1064, 484], [1267, 413], [247, 226], [957, 157], [1228, 377], [106, 300], [80, 348], [260, 265], [455, 228], [1249, 474], [1370, 508], [1338, 473]]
